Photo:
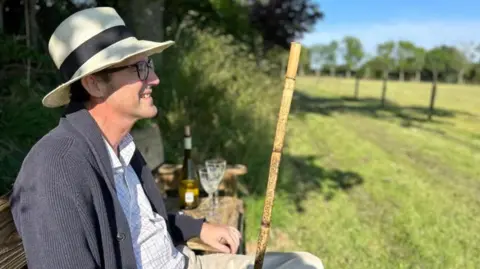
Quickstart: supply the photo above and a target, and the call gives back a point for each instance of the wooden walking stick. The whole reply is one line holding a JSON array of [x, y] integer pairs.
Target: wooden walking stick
[[287, 94]]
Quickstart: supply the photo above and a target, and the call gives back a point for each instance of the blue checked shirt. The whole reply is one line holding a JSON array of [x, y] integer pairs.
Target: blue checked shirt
[[152, 243]]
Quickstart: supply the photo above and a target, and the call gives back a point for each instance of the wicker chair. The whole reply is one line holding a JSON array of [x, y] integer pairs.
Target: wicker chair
[[12, 255]]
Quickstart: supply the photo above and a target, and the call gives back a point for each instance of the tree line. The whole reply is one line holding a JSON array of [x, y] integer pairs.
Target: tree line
[[400, 60], [395, 60]]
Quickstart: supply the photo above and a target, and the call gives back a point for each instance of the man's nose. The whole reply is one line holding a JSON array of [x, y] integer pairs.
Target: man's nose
[[153, 79]]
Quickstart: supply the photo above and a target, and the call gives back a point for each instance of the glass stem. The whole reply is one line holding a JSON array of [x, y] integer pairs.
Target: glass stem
[[213, 204], [216, 197]]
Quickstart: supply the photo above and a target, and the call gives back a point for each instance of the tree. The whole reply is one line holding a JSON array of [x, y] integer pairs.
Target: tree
[[260, 25], [352, 53], [330, 52], [455, 61], [304, 60], [277, 59], [225, 16], [317, 58], [418, 62], [366, 67], [405, 52], [2, 2], [144, 14], [281, 22], [362, 71], [436, 61], [385, 53], [278, 23], [467, 59]]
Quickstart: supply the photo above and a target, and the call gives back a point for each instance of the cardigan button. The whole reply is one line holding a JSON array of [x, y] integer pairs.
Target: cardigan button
[[120, 236]]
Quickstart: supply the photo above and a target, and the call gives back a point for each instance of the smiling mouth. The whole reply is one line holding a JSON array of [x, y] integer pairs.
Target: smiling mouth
[[146, 93]]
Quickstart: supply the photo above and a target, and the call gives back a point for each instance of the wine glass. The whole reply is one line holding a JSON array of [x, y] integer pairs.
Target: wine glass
[[216, 170], [209, 184]]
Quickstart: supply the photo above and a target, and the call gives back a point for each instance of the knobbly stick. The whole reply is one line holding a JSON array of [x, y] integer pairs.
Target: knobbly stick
[[287, 94]]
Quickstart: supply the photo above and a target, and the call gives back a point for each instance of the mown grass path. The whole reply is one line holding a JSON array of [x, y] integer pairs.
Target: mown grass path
[[369, 187]]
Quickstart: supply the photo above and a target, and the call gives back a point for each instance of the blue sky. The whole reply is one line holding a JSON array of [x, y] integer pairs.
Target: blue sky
[[425, 22]]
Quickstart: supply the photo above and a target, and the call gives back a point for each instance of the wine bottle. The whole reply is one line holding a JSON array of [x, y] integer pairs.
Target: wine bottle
[[189, 187]]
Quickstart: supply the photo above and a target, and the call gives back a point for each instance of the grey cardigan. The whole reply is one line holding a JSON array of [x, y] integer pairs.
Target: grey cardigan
[[64, 204]]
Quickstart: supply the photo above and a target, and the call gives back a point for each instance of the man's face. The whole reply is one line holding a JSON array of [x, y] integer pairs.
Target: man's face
[[128, 96]]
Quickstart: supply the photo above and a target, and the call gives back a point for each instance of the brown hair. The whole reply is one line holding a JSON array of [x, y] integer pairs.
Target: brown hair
[[79, 94]]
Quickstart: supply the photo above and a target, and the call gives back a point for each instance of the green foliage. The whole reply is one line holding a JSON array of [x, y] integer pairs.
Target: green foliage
[[234, 18], [281, 22], [216, 88], [23, 120], [405, 54], [317, 56], [275, 61], [304, 61], [457, 60], [330, 52], [226, 17], [352, 51], [324, 55], [419, 60], [385, 54], [376, 63], [437, 59], [473, 73]]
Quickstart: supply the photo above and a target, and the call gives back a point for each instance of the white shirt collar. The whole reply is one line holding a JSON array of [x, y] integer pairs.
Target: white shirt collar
[[126, 149]]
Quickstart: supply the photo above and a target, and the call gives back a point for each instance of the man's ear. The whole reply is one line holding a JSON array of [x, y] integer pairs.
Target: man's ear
[[94, 86]]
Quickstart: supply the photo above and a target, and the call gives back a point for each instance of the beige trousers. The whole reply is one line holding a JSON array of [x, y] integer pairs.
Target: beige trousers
[[278, 260]]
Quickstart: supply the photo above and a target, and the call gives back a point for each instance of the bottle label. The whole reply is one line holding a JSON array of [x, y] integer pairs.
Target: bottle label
[[189, 197], [187, 143]]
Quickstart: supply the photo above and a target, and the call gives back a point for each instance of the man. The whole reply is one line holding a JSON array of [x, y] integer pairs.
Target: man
[[84, 197]]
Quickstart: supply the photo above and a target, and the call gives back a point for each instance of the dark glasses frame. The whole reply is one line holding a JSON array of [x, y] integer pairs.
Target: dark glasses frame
[[138, 65]]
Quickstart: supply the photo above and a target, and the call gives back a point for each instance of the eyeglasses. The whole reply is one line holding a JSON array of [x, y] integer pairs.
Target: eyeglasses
[[142, 67]]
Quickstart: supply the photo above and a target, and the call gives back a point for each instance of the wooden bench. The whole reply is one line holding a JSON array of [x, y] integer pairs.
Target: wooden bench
[[12, 255]]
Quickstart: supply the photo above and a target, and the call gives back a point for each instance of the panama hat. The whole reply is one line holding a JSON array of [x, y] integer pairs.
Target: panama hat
[[91, 40]]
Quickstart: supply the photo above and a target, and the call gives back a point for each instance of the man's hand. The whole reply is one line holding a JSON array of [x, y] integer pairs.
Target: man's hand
[[224, 238]]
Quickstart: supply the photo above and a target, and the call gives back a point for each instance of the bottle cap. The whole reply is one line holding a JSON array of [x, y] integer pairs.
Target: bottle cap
[[187, 130]]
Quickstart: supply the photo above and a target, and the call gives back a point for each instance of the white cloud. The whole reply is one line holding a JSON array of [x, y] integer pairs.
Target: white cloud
[[424, 33]]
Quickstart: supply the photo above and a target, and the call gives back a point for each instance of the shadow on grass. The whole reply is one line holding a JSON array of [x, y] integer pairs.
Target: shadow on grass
[[371, 107], [302, 176]]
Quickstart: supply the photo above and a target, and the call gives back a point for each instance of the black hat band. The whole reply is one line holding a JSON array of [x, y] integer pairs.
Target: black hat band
[[92, 46]]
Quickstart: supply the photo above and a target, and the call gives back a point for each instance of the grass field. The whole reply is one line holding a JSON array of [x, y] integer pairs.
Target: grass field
[[363, 186]]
